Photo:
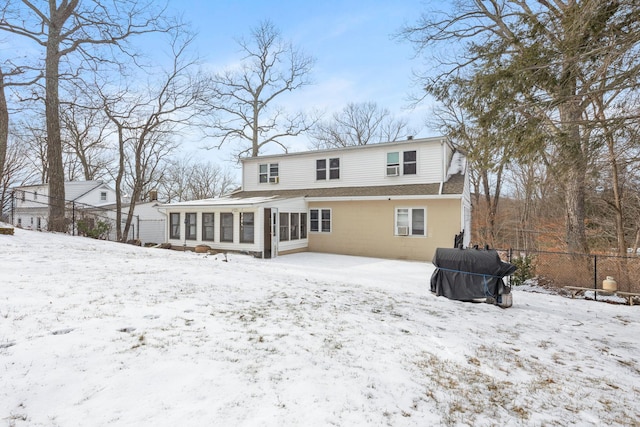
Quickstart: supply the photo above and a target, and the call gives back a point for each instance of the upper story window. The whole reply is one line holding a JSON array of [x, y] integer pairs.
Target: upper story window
[[330, 165], [268, 172], [409, 162], [22, 196], [35, 195], [103, 196], [408, 166]]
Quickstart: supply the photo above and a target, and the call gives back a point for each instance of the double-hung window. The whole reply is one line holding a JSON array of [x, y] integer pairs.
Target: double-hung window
[[393, 164], [321, 169], [103, 196], [408, 165], [208, 229], [246, 227], [226, 227], [268, 172], [174, 225], [320, 220], [411, 222], [409, 162], [190, 224], [333, 169]]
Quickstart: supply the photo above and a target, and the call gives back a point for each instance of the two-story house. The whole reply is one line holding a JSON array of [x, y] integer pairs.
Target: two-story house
[[31, 202], [88, 201], [398, 200]]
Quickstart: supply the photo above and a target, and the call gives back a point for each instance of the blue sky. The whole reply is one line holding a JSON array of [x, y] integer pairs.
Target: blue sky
[[356, 58]]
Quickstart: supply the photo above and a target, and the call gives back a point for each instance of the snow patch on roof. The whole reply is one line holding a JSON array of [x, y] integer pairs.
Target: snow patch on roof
[[458, 164]]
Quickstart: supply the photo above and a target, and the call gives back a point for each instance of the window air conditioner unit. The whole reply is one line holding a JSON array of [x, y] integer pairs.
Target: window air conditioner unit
[[403, 231], [393, 170], [274, 180]]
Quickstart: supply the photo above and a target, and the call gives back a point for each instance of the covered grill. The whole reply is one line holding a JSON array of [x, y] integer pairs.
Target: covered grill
[[471, 275]]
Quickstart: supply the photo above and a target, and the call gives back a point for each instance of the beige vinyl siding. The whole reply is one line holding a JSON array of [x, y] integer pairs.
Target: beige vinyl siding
[[367, 228]]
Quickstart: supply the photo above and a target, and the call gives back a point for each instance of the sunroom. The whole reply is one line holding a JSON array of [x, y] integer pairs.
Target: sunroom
[[261, 226]]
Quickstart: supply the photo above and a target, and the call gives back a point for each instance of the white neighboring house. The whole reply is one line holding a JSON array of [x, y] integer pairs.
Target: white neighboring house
[[31, 202], [89, 200], [399, 199]]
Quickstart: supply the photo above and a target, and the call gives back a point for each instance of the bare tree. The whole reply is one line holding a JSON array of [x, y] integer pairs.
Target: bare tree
[[189, 179], [85, 137], [30, 133], [359, 124], [7, 79], [63, 28], [146, 124], [558, 55], [17, 171], [243, 99]]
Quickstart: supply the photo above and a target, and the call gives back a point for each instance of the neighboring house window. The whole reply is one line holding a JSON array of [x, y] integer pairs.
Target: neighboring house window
[[321, 169], [174, 225], [284, 227], [268, 173], [190, 226], [22, 196], [103, 196], [246, 227], [303, 225], [320, 220], [295, 226], [393, 164], [226, 227], [19, 222], [409, 162], [411, 222], [208, 229], [35, 195]]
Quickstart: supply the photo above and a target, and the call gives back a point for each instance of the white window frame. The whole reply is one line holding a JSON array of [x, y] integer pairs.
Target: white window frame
[[398, 228], [270, 175], [103, 196], [399, 168], [393, 168], [405, 163], [320, 222], [328, 169]]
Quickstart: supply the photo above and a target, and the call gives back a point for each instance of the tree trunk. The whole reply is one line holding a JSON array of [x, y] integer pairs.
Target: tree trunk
[[54, 140], [4, 126]]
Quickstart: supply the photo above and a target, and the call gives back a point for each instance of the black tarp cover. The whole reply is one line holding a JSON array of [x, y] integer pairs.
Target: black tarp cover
[[469, 274]]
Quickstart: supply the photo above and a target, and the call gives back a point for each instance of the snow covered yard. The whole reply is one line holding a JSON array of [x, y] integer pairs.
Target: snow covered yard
[[98, 333]]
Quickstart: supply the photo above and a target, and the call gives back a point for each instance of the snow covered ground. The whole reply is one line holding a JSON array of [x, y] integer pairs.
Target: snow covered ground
[[96, 333]]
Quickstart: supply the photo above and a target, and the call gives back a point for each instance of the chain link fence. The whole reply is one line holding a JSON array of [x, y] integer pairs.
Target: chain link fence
[[559, 269], [30, 210]]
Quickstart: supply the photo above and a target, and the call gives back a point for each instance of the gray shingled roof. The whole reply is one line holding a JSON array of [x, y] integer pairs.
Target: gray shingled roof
[[455, 185]]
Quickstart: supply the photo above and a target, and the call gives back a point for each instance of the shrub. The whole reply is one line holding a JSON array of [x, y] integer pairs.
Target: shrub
[[525, 270], [98, 231]]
